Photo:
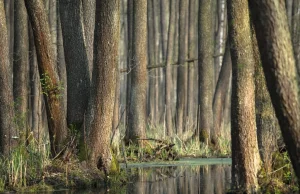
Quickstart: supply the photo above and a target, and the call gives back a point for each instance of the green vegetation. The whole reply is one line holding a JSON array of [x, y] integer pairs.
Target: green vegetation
[[282, 178]]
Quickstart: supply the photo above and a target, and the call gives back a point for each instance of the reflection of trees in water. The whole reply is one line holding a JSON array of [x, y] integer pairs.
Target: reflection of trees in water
[[180, 180]]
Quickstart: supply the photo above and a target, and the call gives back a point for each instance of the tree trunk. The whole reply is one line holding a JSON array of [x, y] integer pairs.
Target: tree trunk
[[220, 96], [168, 77], [245, 155], [151, 61], [7, 129], [137, 109], [89, 28], [106, 45], [206, 68], [21, 68], [192, 53], [266, 121], [50, 82], [77, 64], [61, 63], [181, 69], [276, 53], [295, 32]]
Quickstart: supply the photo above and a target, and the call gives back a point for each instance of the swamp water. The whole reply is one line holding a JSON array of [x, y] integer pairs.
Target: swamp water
[[186, 176]]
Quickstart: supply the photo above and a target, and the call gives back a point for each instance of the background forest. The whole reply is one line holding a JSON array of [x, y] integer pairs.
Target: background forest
[[83, 79]]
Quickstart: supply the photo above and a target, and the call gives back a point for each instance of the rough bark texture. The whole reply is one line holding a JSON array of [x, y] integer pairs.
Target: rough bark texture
[[266, 121], [206, 68], [245, 155], [106, 45], [137, 109], [181, 69], [6, 90], [168, 77], [220, 96], [276, 53], [51, 86], [21, 67], [77, 64]]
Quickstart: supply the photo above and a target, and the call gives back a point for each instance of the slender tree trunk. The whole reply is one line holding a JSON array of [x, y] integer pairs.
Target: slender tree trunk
[[220, 96], [61, 63], [77, 64], [53, 24], [192, 53], [279, 66], [137, 109], [50, 83], [89, 28], [206, 68], [181, 69], [129, 59], [106, 45], [21, 67], [168, 77], [220, 36], [266, 121], [151, 61], [6, 90], [295, 32], [245, 155]]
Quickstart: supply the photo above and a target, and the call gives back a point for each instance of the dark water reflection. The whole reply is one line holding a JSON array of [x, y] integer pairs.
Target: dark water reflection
[[182, 179]]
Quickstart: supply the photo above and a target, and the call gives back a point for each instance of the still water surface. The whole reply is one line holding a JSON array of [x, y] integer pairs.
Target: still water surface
[[186, 176]]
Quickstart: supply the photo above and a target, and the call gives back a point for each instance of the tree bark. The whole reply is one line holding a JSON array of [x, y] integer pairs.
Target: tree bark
[[89, 28], [220, 96], [7, 129], [276, 53], [181, 69], [192, 53], [137, 109], [51, 86], [21, 68], [168, 77], [206, 68], [106, 45], [77, 64], [245, 155]]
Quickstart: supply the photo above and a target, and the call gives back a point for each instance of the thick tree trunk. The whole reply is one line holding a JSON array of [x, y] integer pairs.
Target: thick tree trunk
[[137, 109], [245, 155], [50, 82], [220, 96], [168, 77], [206, 68], [77, 64], [21, 68], [276, 53], [181, 69], [106, 45], [7, 129]]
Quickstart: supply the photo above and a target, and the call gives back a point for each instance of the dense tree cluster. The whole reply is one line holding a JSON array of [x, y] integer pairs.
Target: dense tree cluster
[[203, 69]]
